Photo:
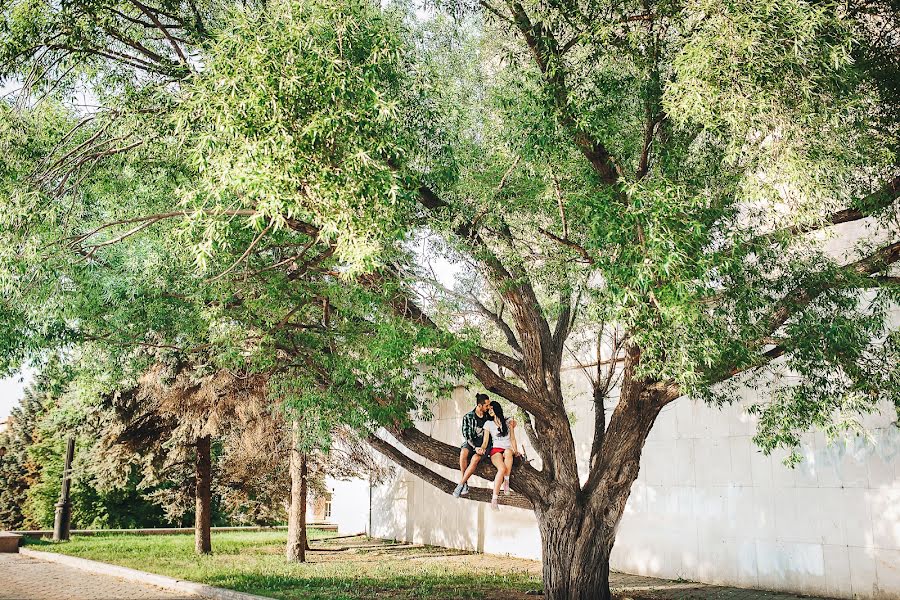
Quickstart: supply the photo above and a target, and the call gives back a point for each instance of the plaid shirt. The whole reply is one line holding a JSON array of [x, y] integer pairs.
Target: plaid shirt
[[473, 429]]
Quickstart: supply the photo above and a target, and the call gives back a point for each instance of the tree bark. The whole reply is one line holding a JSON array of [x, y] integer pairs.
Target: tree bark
[[576, 552], [203, 496], [296, 542]]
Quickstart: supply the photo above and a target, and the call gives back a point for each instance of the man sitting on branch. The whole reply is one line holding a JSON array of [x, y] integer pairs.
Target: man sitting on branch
[[473, 439]]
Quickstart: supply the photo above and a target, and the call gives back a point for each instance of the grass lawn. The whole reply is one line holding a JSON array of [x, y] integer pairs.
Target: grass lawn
[[346, 569]]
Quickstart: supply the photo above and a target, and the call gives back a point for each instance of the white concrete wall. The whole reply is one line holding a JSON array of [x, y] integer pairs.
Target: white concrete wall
[[349, 505], [707, 505]]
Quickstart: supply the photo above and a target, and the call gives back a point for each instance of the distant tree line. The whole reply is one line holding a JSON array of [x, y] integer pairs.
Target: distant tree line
[[138, 449]]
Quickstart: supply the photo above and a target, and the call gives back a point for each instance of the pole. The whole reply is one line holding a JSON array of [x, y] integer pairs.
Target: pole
[[63, 521]]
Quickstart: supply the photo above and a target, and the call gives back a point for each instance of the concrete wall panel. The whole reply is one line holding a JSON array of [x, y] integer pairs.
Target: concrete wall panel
[[707, 504]]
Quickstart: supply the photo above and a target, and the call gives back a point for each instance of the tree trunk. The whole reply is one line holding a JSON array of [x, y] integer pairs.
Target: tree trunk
[[576, 553], [203, 495], [296, 542], [578, 528]]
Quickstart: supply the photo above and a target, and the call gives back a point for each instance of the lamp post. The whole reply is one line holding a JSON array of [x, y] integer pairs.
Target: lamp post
[[63, 519]]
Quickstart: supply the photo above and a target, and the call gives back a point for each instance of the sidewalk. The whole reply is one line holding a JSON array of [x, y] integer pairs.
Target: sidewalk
[[626, 585], [25, 578]]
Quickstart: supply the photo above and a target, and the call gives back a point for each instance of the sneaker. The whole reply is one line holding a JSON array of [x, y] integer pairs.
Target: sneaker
[[458, 490], [494, 504], [465, 489], [506, 485]]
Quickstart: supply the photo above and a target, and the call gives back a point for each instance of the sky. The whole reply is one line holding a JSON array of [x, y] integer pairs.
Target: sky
[[11, 391]]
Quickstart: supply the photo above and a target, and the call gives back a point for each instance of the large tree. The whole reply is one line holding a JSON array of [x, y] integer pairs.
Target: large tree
[[658, 174]]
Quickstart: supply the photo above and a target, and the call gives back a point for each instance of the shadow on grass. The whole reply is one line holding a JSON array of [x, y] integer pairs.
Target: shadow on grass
[[405, 587]]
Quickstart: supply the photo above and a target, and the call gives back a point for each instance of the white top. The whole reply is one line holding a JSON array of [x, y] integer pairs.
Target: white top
[[497, 440]]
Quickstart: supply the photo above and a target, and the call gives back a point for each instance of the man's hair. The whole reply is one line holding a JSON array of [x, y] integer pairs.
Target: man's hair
[[481, 399]]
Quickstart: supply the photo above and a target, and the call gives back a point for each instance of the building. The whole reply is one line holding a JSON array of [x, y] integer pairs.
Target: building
[[708, 506], [318, 509]]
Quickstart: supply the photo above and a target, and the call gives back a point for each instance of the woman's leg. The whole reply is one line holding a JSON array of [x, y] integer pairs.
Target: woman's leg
[[497, 459], [508, 462]]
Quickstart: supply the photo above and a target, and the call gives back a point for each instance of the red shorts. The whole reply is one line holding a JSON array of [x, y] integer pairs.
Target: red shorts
[[496, 451]]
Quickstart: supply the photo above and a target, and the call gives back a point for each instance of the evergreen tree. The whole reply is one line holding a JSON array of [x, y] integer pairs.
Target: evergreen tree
[[17, 473]]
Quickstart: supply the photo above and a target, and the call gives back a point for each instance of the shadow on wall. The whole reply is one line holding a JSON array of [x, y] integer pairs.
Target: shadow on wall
[[707, 505], [389, 512], [831, 526], [406, 508]]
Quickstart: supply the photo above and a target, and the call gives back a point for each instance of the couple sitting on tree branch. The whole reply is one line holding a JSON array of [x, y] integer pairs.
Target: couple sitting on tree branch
[[486, 432]]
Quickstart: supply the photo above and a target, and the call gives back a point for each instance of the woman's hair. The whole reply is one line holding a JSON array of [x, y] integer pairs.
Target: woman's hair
[[498, 410]]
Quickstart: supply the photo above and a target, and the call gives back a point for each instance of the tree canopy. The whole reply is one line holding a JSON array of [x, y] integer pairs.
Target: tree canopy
[[270, 185]]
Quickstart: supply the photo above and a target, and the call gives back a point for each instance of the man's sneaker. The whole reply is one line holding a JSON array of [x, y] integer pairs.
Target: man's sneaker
[[494, 504], [506, 485], [458, 491], [465, 489]]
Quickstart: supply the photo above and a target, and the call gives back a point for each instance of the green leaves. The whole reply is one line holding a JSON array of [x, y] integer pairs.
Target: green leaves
[[256, 206], [753, 64], [298, 115]]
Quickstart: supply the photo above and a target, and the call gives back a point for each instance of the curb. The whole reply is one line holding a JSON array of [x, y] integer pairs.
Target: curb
[[169, 583]]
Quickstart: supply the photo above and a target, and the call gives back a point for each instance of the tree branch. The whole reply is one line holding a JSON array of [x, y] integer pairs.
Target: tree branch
[[862, 208], [478, 494], [472, 299], [795, 302], [536, 442], [152, 16], [75, 239], [448, 455], [503, 360], [649, 133], [547, 55], [243, 256], [565, 241], [518, 293], [563, 320], [406, 308], [496, 12], [500, 323], [801, 297]]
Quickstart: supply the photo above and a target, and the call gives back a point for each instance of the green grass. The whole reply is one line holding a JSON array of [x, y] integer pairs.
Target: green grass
[[254, 562]]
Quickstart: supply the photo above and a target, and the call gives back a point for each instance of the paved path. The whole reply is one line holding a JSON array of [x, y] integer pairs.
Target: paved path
[[663, 589], [26, 578]]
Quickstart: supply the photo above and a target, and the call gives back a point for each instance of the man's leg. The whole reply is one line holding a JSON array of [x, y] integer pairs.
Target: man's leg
[[473, 464], [462, 487], [463, 461], [463, 464]]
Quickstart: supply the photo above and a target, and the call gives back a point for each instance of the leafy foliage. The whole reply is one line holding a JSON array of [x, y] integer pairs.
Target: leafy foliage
[[672, 176]]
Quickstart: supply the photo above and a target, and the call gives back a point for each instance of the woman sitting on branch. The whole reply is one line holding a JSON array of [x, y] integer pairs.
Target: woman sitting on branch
[[500, 432]]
